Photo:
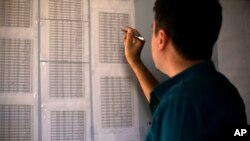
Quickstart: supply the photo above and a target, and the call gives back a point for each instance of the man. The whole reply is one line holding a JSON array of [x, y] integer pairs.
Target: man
[[197, 103]]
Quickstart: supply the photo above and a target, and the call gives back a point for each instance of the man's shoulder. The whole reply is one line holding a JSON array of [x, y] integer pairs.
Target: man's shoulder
[[207, 83], [201, 87]]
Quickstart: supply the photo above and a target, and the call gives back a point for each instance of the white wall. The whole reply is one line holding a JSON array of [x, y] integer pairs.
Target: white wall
[[234, 46]]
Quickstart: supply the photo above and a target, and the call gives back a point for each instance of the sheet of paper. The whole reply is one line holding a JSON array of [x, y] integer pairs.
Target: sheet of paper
[[18, 70], [115, 104], [64, 64]]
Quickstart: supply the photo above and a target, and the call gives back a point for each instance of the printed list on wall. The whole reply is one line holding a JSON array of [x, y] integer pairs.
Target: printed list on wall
[[115, 105], [70, 79], [18, 70], [65, 95]]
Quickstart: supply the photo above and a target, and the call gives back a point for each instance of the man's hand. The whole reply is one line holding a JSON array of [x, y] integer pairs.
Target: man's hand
[[133, 46]]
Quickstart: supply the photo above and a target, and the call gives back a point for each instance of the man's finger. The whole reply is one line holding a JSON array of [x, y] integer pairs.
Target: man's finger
[[129, 37]]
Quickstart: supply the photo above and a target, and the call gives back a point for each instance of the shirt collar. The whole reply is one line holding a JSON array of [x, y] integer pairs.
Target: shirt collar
[[197, 69]]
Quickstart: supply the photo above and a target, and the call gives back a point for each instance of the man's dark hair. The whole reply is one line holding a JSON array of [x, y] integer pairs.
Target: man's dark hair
[[193, 25]]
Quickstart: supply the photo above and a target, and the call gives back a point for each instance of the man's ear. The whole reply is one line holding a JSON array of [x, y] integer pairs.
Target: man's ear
[[163, 39]]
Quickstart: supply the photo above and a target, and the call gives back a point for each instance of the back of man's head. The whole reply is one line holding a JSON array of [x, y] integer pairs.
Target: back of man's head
[[193, 25]]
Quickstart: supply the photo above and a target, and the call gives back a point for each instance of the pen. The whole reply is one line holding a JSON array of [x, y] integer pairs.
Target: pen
[[137, 36]]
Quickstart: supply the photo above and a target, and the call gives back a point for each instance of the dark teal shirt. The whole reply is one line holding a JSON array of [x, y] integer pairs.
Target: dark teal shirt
[[199, 104]]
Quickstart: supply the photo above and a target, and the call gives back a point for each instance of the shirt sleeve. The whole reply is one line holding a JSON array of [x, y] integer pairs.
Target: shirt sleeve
[[153, 102]]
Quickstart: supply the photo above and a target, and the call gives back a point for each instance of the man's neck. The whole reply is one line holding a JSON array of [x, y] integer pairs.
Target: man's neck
[[176, 64], [180, 66]]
